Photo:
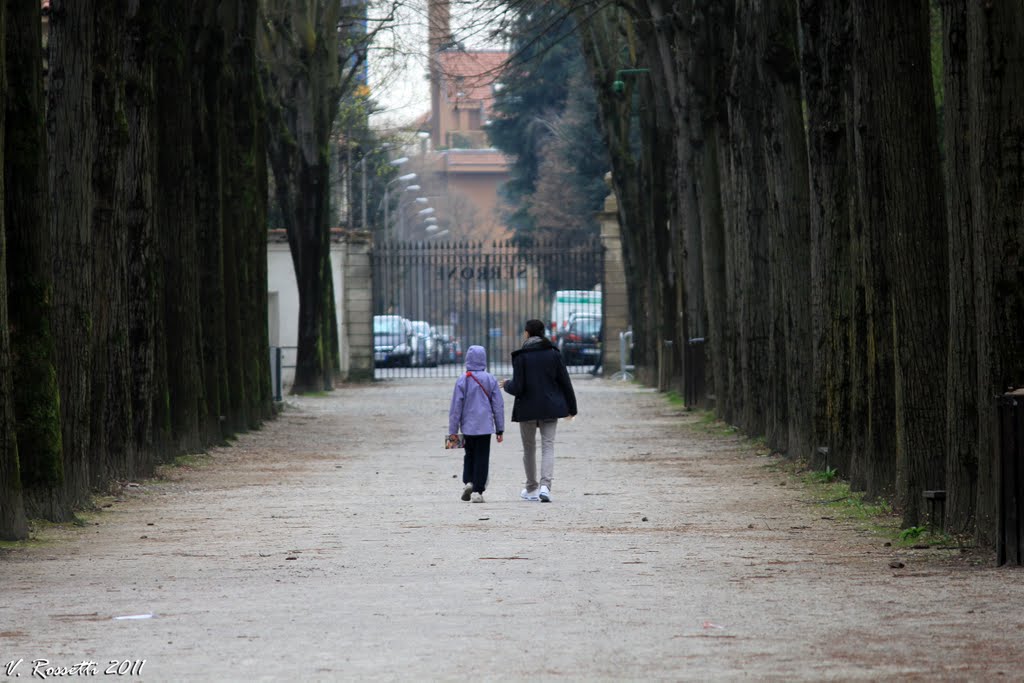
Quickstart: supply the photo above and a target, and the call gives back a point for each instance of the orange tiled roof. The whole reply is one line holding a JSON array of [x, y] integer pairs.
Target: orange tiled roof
[[469, 75]]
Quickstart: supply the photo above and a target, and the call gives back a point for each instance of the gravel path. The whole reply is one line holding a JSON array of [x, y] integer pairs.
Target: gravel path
[[332, 545]]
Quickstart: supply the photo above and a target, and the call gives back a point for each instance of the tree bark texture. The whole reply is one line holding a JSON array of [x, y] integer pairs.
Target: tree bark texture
[[13, 525], [995, 40], [239, 209], [900, 185], [824, 58], [72, 144], [961, 381], [707, 80], [665, 45], [663, 237], [251, 188], [110, 439], [681, 35], [144, 266], [750, 267], [30, 284], [176, 224], [786, 170], [209, 89]]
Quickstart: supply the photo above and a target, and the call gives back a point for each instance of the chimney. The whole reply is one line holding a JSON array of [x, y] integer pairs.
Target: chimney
[[439, 35]]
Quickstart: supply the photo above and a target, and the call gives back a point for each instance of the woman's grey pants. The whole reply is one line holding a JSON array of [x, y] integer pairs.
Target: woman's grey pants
[[528, 431]]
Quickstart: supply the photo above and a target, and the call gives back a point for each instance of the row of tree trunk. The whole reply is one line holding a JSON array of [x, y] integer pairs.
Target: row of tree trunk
[[787, 193], [133, 244]]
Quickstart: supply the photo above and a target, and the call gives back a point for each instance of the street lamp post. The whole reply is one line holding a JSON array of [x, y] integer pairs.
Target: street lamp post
[[403, 234], [387, 199]]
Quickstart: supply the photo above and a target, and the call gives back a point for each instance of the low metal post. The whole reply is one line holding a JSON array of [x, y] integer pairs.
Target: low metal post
[[1010, 517], [625, 369], [275, 373]]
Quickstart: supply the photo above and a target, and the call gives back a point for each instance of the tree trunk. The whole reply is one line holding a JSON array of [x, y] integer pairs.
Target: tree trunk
[[909, 225], [824, 56], [995, 41], [13, 525], [252, 131], [72, 144], [750, 272], [209, 89], [176, 225], [143, 277], [110, 366], [661, 231], [238, 163], [710, 45], [785, 151], [30, 285], [303, 92], [961, 381]]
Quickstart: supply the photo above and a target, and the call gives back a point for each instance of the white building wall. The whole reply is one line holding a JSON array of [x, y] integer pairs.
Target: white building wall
[[283, 304]]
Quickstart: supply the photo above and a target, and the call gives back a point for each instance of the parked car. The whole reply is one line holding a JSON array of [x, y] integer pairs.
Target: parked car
[[392, 341], [581, 342], [451, 348], [569, 302], [424, 344]]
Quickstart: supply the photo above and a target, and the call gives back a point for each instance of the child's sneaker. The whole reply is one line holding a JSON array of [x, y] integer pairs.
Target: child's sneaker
[[477, 497], [529, 495], [467, 491], [544, 495]]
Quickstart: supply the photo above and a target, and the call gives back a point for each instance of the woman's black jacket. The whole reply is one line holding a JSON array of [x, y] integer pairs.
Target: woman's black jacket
[[540, 383]]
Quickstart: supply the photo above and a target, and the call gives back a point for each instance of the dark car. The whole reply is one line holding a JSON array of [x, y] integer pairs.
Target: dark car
[[451, 348], [580, 344], [392, 341]]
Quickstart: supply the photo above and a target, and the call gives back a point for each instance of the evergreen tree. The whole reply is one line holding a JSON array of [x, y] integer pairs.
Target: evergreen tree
[[546, 120]]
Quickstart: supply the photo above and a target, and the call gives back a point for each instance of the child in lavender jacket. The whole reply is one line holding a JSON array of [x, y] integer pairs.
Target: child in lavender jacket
[[479, 410]]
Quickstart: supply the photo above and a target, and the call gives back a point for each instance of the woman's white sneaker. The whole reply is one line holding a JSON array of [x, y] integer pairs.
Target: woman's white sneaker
[[477, 497], [544, 495], [529, 495]]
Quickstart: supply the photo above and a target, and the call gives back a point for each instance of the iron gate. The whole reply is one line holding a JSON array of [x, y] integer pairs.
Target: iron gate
[[431, 301]]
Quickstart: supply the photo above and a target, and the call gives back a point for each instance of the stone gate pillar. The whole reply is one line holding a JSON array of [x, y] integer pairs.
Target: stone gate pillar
[[356, 330], [614, 301]]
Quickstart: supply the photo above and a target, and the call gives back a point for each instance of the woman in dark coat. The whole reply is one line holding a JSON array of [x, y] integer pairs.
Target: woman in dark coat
[[543, 393]]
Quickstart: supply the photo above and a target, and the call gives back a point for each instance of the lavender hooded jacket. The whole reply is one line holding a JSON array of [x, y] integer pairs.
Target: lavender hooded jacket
[[471, 408]]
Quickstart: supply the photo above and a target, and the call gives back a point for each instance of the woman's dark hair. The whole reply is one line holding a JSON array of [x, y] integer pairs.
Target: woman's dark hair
[[534, 328]]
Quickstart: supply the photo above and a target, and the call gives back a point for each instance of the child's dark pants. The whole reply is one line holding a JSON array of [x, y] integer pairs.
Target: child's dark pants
[[476, 461]]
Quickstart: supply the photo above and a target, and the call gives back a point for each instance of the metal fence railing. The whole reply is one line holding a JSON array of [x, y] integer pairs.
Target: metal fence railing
[[451, 295]]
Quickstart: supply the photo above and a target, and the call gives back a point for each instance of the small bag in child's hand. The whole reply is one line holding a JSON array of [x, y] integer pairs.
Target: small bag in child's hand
[[454, 441]]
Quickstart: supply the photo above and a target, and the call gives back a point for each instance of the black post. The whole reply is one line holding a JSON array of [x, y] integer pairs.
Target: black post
[[1009, 527]]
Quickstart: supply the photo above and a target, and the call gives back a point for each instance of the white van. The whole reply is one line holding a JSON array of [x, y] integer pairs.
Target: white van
[[569, 301]]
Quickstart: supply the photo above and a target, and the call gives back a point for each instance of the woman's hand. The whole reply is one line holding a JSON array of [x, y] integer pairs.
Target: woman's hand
[[501, 437]]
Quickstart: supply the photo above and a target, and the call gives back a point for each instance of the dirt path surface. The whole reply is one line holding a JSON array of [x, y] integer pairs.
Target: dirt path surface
[[332, 545]]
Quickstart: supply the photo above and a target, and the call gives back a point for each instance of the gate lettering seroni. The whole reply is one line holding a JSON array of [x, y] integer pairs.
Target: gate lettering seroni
[[431, 301]]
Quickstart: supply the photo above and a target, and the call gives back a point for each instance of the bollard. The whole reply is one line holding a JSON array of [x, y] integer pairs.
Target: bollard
[[1010, 517], [625, 369]]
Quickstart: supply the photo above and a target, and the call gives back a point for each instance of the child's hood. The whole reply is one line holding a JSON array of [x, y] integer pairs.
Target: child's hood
[[476, 359]]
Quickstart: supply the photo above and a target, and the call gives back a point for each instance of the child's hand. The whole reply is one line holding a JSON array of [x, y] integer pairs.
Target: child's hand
[[501, 437]]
